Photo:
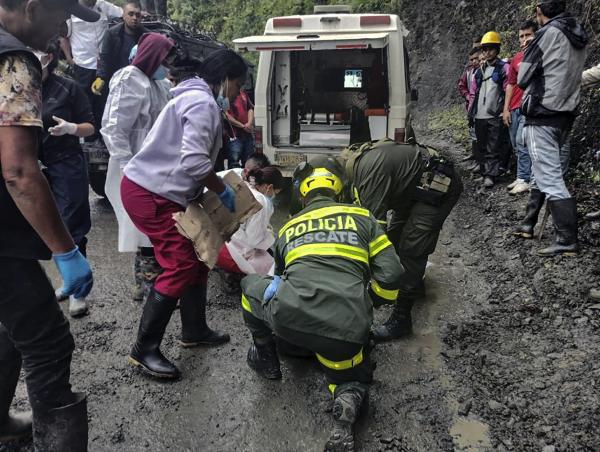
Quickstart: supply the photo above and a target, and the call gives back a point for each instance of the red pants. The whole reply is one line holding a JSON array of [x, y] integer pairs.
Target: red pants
[[226, 262], [153, 215]]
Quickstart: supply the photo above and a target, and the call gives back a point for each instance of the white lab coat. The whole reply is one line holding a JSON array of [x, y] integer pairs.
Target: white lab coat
[[248, 246], [134, 102]]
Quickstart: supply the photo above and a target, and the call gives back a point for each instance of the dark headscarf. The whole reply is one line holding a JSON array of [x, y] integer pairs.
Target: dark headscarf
[[153, 48]]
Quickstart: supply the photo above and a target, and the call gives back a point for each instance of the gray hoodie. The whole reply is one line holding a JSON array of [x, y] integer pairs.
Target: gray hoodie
[[551, 71], [182, 146]]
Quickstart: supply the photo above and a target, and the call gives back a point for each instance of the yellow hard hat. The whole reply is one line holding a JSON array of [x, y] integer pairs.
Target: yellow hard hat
[[321, 178], [321, 172], [491, 37]]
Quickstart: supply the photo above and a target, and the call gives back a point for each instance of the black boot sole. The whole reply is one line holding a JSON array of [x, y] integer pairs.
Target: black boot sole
[[194, 344], [559, 253], [523, 235], [147, 371]]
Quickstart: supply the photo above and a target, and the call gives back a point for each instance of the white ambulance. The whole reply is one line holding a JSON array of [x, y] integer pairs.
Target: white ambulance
[[327, 80]]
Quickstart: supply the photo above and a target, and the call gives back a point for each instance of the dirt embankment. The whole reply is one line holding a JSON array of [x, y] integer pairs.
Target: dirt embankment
[[527, 359]]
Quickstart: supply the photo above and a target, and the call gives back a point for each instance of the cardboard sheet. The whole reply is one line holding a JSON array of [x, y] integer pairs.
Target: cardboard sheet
[[209, 224]]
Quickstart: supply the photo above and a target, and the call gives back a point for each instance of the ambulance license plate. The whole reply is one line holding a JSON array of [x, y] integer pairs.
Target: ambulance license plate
[[289, 158]]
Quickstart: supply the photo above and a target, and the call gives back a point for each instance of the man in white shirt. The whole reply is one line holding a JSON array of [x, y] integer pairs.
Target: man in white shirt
[[82, 50]]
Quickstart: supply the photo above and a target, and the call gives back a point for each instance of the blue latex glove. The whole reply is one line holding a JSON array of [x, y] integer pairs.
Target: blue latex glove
[[271, 289], [75, 272], [228, 198]]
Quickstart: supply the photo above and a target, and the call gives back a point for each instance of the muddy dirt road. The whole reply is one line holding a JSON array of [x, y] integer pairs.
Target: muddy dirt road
[[496, 362]]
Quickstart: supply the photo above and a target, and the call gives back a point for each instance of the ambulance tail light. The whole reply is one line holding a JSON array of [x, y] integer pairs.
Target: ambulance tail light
[[399, 135], [375, 20], [258, 139], [287, 22]]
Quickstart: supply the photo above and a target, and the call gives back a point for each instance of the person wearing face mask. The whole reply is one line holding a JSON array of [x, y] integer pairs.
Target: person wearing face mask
[[170, 171], [138, 93], [247, 251], [67, 116]]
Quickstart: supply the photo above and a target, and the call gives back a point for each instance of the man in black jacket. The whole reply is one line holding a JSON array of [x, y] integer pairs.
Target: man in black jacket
[[551, 76], [117, 45], [33, 330]]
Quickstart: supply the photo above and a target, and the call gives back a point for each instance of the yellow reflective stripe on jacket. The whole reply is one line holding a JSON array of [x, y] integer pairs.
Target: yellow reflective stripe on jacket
[[356, 196], [331, 388], [379, 244], [324, 212], [384, 293], [328, 249], [342, 365], [246, 304]]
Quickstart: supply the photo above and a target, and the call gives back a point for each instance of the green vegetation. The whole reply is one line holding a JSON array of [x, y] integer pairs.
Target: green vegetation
[[230, 19], [452, 122]]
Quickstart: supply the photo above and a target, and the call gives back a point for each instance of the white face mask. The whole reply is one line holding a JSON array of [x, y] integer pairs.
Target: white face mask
[[223, 101]]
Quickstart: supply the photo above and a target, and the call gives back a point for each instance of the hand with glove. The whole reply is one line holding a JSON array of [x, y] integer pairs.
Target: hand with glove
[[97, 86], [271, 289], [75, 272], [62, 127], [227, 197]]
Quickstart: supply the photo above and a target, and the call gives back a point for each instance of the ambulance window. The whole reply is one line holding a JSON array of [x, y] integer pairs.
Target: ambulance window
[[406, 68]]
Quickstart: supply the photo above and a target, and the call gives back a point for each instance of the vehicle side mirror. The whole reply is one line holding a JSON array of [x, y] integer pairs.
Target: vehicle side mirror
[[414, 95]]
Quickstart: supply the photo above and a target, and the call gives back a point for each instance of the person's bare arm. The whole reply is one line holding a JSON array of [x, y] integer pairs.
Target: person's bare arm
[[250, 124], [65, 46], [213, 182], [507, 99], [28, 187], [234, 121]]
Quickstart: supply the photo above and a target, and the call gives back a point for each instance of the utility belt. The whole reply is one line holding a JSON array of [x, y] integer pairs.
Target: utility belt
[[436, 179]]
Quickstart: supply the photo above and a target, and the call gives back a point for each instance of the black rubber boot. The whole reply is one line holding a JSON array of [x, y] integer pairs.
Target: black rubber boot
[[63, 429], [532, 212], [564, 216], [262, 357], [346, 409], [194, 330], [146, 354], [13, 426], [397, 326]]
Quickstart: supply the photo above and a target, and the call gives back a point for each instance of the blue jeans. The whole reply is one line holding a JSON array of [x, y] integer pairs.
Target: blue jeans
[[238, 150], [518, 143], [69, 183]]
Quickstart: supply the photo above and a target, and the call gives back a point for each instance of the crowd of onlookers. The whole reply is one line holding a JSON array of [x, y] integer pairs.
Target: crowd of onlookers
[[525, 105], [163, 116]]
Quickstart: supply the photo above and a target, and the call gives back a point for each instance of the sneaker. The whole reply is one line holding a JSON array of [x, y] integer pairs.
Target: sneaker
[[488, 182], [78, 307], [520, 187], [60, 295], [513, 183]]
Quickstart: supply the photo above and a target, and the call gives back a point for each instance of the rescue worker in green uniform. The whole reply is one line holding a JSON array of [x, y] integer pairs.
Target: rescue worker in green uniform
[[333, 264], [420, 188]]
